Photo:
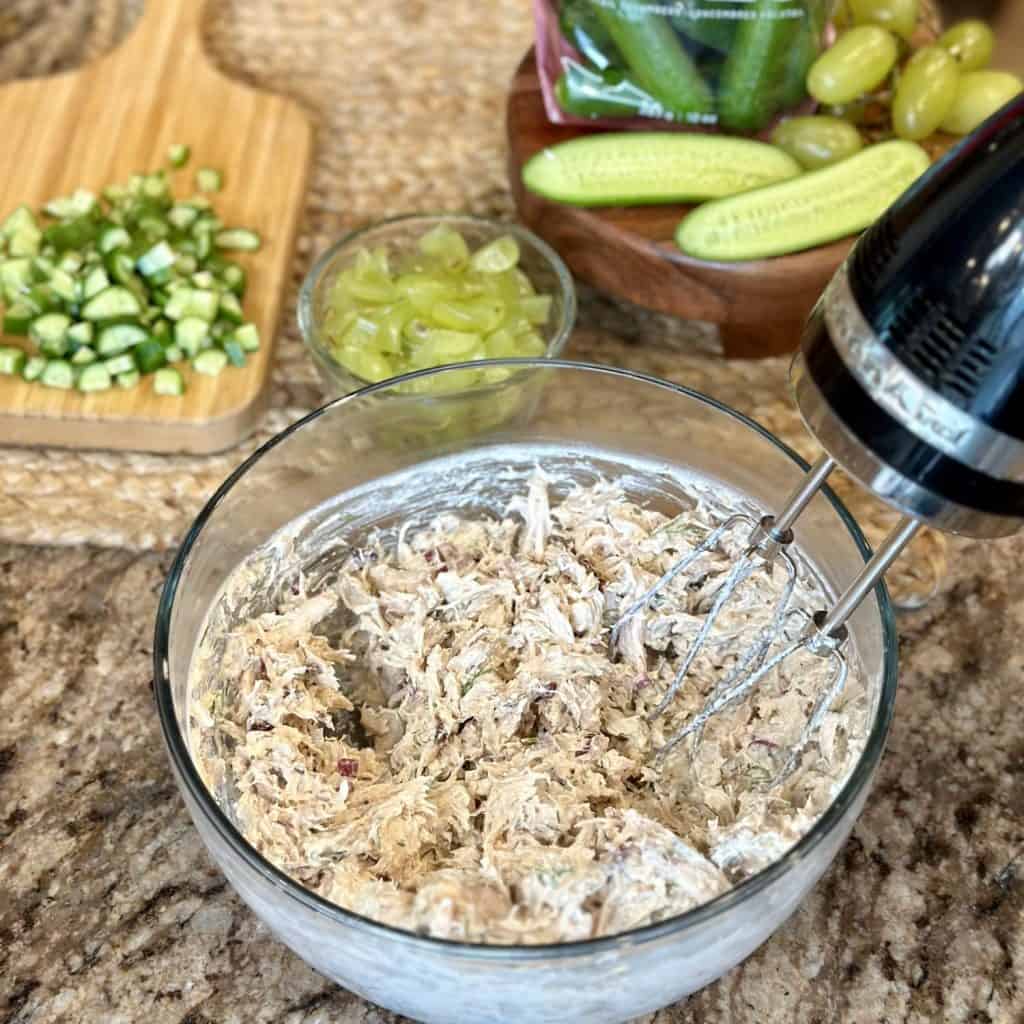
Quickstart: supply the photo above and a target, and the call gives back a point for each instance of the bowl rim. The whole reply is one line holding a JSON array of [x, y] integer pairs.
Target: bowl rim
[[202, 799], [306, 319]]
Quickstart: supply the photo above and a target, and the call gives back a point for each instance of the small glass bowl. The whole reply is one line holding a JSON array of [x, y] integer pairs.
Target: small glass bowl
[[541, 264]]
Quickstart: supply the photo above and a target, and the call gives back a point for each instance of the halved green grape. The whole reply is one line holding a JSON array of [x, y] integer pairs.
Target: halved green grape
[[925, 94], [971, 42], [391, 313], [979, 95], [496, 257], [817, 141], [446, 244], [898, 16], [857, 63]]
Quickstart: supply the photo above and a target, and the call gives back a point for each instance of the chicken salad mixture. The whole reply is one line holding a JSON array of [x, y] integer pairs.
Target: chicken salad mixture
[[440, 736]]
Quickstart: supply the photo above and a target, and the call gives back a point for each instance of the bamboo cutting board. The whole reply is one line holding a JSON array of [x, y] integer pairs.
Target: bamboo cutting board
[[116, 117]]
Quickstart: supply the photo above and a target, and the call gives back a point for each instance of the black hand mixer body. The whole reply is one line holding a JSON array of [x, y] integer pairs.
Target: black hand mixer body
[[911, 372]]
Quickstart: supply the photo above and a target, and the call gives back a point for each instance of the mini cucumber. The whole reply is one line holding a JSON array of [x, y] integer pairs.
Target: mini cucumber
[[821, 206], [752, 79], [711, 24], [656, 59], [633, 168], [609, 93]]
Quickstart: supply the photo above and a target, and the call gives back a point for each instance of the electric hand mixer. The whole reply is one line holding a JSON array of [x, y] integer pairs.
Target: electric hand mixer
[[908, 376]]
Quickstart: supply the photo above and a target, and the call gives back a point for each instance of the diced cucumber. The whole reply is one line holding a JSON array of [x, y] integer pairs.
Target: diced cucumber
[[95, 282], [149, 356], [124, 363], [17, 221], [248, 336], [33, 368], [111, 304], [159, 258], [83, 356], [178, 154], [129, 379], [204, 279], [235, 353], [94, 378], [173, 354], [114, 238], [209, 180], [50, 333], [160, 328], [189, 302], [12, 360], [81, 333], [15, 277], [17, 318], [58, 373], [25, 242], [71, 207], [231, 308], [119, 338], [238, 238], [168, 381], [210, 362], [190, 333], [234, 277], [64, 285], [182, 216]]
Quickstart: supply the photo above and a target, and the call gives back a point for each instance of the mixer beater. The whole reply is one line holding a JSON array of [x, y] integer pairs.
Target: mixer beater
[[908, 376]]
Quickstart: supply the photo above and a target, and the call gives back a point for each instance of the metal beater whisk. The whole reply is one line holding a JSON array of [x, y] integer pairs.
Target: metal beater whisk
[[825, 632], [910, 377]]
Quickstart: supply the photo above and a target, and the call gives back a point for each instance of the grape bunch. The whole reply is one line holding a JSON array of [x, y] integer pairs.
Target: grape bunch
[[878, 80]]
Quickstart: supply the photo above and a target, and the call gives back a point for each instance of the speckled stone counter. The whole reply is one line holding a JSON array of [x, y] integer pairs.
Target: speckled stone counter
[[111, 911]]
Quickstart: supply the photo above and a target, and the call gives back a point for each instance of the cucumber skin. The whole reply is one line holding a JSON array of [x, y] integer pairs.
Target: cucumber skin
[[856, 168], [657, 61], [754, 71], [787, 167]]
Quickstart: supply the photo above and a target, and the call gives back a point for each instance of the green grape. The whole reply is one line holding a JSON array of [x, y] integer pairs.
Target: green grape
[[971, 42], [978, 96], [857, 63], [536, 308], [898, 16], [481, 315], [446, 244], [817, 141], [498, 256], [438, 304], [925, 94]]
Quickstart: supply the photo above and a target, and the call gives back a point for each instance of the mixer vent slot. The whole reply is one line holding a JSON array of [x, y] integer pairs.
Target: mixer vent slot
[[875, 251], [936, 348]]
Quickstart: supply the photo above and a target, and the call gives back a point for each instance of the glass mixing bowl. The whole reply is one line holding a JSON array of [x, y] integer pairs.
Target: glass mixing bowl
[[400, 235], [374, 459]]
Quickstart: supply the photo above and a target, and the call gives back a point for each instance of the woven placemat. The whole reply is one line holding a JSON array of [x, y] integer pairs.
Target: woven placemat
[[408, 97]]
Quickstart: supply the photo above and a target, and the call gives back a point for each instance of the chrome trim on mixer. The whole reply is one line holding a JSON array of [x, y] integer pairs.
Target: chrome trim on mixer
[[886, 483], [924, 412]]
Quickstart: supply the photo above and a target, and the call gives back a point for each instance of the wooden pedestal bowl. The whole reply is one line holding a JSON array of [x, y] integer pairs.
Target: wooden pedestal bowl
[[760, 305]]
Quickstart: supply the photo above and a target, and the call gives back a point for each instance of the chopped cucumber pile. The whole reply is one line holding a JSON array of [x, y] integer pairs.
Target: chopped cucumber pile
[[109, 289], [440, 303]]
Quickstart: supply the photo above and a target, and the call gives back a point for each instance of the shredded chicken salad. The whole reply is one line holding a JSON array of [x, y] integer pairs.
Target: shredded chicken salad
[[442, 739]]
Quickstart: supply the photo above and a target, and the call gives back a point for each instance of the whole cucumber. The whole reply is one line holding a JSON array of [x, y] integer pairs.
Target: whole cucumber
[[803, 54], [754, 71], [656, 58]]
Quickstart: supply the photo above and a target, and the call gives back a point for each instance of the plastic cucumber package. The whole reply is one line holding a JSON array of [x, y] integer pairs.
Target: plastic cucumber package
[[733, 65]]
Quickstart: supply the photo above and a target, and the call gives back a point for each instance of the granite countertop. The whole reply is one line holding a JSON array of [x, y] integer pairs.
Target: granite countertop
[[110, 909]]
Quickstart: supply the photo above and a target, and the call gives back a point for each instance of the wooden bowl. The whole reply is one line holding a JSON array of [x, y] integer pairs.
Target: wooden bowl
[[760, 305]]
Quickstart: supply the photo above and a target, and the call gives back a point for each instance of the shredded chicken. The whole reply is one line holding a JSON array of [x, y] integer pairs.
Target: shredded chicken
[[441, 738]]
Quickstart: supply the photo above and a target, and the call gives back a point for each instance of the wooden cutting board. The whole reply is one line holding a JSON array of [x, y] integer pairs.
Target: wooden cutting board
[[115, 117]]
